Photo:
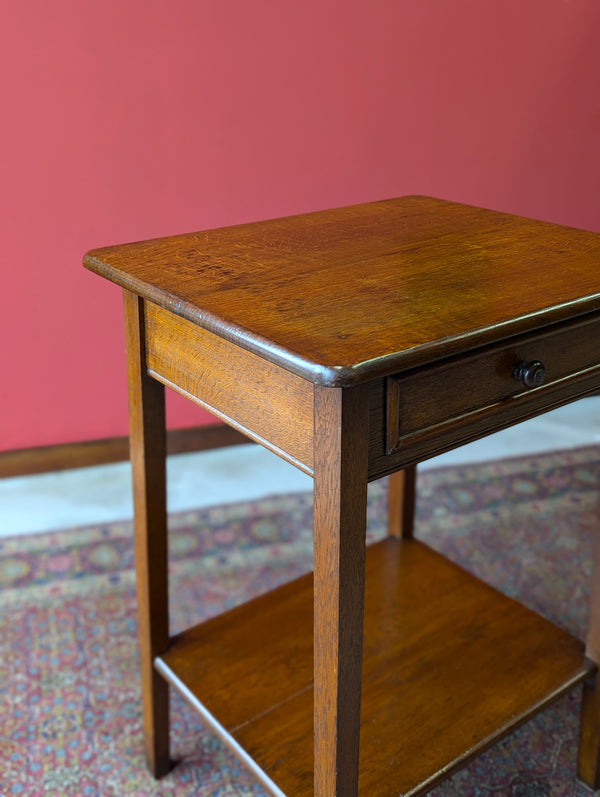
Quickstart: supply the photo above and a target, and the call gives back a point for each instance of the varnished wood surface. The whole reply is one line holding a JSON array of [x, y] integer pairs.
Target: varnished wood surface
[[148, 466], [340, 509], [435, 689], [470, 383], [588, 760], [401, 498], [273, 406], [395, 323], [446, 435], [343, 295]]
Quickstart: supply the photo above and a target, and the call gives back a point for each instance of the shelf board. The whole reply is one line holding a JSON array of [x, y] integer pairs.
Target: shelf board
[[450, 665]]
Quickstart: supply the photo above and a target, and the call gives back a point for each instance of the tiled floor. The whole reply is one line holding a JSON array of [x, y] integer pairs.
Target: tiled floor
[[101, 494]]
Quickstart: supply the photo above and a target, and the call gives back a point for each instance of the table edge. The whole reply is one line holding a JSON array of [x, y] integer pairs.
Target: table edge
[[344, 375]]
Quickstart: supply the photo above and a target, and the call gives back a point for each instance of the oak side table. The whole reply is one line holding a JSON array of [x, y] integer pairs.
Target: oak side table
[[355, 343]]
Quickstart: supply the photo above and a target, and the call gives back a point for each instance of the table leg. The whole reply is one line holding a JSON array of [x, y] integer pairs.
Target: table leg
[[402, 487], [340, 498], [148, 461], [589, 733]]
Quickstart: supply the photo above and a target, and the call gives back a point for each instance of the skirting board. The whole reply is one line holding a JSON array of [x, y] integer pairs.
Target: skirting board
[[26, 461]]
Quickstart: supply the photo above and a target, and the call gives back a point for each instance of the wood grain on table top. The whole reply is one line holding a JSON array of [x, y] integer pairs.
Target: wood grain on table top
[[343, 295]]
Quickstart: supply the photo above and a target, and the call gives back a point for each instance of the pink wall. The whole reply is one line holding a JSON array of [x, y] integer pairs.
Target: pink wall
[[128, 119]]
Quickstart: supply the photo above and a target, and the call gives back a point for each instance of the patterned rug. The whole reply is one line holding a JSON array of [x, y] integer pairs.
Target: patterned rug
[[69, 693]]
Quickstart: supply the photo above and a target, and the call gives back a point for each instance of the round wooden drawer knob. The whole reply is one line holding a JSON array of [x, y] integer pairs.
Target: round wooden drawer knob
[[531, 374]]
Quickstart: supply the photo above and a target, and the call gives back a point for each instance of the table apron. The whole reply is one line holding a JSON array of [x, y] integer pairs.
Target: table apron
[[271, 405]]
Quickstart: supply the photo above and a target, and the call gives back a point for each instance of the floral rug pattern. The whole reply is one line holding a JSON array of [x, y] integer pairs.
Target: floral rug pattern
[[70, 720]]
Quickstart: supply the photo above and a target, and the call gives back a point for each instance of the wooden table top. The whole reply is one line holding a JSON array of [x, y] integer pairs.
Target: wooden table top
[[344, 295]]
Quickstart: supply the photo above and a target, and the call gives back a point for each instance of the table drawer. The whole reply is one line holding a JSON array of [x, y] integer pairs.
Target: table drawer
[[455, 390]]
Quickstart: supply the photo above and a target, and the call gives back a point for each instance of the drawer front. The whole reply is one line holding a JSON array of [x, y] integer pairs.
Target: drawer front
[[456, 391]]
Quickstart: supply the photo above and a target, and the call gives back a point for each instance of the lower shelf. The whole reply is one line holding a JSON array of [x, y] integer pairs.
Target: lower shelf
[[450, 665]]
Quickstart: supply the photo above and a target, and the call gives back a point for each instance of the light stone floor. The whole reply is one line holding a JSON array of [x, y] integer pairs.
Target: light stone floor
[[102, 494]]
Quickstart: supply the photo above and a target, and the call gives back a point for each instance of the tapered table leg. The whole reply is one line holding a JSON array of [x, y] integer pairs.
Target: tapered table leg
[[401, 502], [588, 769], [148, 461], [340, 501], [588, 765]]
